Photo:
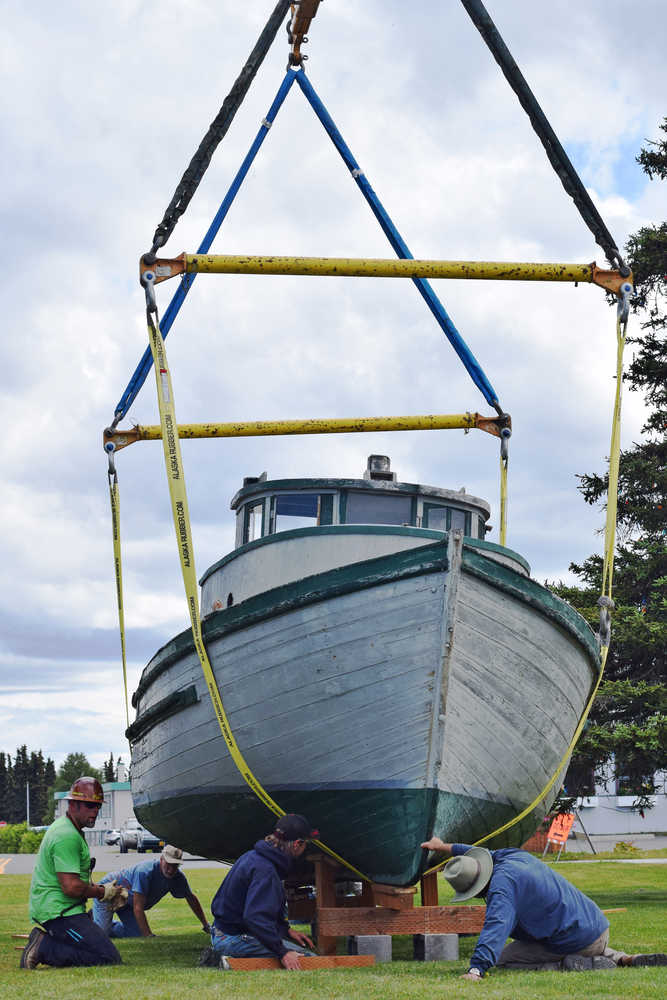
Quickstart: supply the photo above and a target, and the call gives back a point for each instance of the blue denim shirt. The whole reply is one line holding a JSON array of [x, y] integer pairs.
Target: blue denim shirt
[[147, 878], [528, 901]]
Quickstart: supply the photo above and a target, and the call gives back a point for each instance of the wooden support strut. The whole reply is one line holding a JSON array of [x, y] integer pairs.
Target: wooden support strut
[[383, 909], [341, 425], [164, 268]]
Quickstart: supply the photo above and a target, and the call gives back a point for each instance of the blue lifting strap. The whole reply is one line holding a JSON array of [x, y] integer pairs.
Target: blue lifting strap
[[400, 247], [432, 301], [172, 310]]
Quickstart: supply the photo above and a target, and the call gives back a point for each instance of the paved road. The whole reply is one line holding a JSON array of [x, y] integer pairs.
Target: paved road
[[107, 859], [642, 841], [110, 858]]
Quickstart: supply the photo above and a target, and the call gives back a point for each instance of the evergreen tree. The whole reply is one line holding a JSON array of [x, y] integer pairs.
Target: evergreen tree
[[4, 786], [38, 790], [21, 776], [74, 766], [109, 770], [49, 781], [628, 723]]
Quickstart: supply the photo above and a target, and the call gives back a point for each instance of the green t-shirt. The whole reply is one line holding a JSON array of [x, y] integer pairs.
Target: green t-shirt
[[63, 849]]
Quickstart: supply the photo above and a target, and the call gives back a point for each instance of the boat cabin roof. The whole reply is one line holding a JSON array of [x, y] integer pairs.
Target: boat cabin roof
[[267, 506]]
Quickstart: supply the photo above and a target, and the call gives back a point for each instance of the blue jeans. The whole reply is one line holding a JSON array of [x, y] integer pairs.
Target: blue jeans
[[125, 927], [247, 946], [76, 941]]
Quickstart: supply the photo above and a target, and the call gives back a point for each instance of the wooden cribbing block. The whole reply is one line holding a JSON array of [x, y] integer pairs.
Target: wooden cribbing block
[[344, 921], [392, 897], [306, 962], [429, 888]]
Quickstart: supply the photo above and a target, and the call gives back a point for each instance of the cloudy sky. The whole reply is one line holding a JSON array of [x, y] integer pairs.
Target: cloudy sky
[[105, 106]]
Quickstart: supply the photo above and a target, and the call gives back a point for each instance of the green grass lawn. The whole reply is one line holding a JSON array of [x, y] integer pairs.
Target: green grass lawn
[[165, 966]]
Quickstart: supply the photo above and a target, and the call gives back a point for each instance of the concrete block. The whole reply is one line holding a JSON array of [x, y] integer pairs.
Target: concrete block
[[378, 945], [436, 947]]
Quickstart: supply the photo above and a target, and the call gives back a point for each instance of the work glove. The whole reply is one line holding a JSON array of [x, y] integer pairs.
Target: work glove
[[115, 895]]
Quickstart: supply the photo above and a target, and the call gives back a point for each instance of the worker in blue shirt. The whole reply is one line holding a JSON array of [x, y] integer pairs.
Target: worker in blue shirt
[[553, 924], [250, 907], [146, 884]]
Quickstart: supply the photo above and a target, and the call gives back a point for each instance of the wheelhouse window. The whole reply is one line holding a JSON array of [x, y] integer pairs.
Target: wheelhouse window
[[301, 510], [445, 518], [253, 518], [366, 508], [435, 517]]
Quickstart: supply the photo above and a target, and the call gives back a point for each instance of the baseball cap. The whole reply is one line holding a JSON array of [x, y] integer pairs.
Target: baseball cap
[[292, 826], [172, 855]]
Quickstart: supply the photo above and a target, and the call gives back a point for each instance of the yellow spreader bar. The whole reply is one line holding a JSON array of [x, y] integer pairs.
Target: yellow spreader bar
[[181, 515], [339, 425], [161, 269]]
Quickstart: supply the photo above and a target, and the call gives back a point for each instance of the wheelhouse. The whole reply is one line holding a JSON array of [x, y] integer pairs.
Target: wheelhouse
[[265, 507]]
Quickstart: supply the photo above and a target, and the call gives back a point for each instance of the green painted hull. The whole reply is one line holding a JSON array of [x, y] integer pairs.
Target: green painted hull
[[376, 830]]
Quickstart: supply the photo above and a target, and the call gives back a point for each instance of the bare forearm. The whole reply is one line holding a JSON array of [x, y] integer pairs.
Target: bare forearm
[[140, 917], [195, 906], [437, 845], [76, 888]]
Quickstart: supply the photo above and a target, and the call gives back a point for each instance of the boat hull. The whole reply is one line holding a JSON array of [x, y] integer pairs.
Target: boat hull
[[432, 690]]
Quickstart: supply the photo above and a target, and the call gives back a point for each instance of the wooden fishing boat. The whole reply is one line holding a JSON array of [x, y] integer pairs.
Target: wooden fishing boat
[[384, 669]]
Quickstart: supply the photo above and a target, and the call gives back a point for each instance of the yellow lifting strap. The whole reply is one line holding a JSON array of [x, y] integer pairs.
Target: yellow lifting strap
[[115, 526], [607, 573], [179, 506]]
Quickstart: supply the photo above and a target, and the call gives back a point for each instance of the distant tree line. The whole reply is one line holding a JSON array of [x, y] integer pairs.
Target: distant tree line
[[26, 769], [29, 774]]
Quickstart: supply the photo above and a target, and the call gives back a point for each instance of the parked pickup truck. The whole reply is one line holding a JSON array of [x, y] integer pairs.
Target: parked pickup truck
[[133, 834]]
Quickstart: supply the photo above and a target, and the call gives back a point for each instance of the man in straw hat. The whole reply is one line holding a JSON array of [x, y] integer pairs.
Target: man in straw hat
[[553, 924], [145, 885], [61, 886], [250, 906]]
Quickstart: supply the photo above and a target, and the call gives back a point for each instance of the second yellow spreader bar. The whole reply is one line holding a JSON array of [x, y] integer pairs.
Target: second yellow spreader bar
[[161, 269], [342, 425]]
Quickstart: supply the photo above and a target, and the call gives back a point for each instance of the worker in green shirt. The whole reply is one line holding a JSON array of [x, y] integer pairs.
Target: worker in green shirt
[[61, 886]]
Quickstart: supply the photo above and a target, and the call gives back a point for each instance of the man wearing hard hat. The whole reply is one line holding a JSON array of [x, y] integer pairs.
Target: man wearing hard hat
[[61, 886], [554, 925]]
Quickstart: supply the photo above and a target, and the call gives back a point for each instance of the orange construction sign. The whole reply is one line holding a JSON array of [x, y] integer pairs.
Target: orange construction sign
[[560, 828]]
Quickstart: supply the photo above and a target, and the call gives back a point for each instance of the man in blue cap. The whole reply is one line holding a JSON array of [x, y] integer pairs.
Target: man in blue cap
[[250, 907], [553, 924]]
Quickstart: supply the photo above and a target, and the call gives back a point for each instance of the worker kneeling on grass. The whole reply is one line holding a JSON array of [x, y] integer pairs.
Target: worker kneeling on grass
[[145, 884], [555, 926], [250, 906], [61, 886]]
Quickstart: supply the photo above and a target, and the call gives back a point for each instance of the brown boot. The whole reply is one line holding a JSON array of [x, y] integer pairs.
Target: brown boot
[[658, 958], [30, 955]]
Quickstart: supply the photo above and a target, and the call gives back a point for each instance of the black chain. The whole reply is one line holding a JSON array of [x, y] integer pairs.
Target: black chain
[[557, 156], [217, 130]]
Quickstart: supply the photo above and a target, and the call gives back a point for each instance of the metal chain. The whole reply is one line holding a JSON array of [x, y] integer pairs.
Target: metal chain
[[558, 158]]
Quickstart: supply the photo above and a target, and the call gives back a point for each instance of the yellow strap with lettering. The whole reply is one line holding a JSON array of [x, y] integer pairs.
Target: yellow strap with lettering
[[503, 501], [607, 573], [179, 506], [115, 526]]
